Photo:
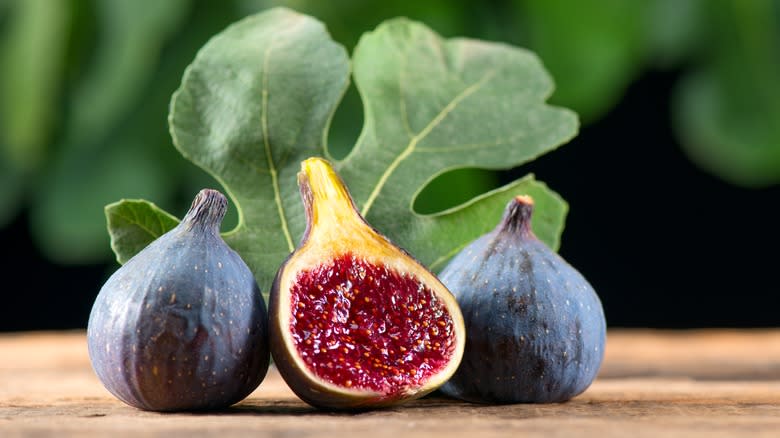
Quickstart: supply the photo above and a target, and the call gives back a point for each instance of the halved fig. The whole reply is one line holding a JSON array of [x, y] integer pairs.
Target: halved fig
[[357, 322]]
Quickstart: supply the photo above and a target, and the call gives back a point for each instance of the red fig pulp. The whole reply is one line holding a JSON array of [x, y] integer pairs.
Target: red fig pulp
[[351, 333]]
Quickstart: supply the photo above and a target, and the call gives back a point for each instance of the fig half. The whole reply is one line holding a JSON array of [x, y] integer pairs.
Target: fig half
[[355, 321]]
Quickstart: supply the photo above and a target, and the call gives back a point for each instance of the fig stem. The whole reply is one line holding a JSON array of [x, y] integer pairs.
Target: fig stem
[[517, 216], [207, 211]]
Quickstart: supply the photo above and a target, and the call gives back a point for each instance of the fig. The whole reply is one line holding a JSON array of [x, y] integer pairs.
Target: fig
[[182, 325], [355, 321], [536, 327]]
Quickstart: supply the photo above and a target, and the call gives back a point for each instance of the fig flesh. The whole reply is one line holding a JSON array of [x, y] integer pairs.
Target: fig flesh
[[536, 326], [355, 321], [182, 325]]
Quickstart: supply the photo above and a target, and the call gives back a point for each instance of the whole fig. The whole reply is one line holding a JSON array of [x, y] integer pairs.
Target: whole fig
[[357, 322], [182, 325], [536, 327]]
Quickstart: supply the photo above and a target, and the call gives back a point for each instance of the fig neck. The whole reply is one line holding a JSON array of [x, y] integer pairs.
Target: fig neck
[[517, 217], [206, 212], [327, 202]]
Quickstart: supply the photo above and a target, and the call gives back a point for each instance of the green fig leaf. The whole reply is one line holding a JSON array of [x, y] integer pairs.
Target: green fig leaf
[[134, 224], [449, 231], [259, 97], [433, 105]]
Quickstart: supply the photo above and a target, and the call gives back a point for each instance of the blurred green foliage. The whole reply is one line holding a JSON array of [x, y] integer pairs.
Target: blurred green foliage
[[85, 87]]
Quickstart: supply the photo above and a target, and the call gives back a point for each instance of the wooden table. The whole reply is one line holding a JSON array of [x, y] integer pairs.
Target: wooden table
[[713, 383]]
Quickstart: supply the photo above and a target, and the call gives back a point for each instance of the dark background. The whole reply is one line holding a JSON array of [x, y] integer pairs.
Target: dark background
[[664, 242]]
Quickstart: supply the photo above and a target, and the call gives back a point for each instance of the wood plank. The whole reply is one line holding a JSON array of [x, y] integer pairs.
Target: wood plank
[[713, 383]]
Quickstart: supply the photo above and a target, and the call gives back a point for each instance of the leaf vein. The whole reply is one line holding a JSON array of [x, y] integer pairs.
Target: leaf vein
[[135, 218], [410, 147]]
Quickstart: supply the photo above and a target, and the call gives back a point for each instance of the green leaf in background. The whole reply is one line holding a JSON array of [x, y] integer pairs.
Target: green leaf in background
[[31, 61], [124, 167], [673, 31], [137, 222], [259, 97], [131, 37], [728, 111], [593, 48], [102, 154], [31, 57]]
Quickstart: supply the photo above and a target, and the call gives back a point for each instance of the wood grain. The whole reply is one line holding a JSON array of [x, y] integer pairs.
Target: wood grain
[[713, 383]]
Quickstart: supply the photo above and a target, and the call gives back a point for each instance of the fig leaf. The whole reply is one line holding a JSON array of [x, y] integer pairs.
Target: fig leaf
[[259, 97]]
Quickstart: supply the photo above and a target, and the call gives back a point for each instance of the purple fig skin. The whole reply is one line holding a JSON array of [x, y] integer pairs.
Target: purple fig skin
[[536, 328], [182, 325]]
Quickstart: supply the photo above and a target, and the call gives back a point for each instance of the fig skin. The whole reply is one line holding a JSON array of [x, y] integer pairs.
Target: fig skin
[[182, 325], [337, 232], [536, 327]]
